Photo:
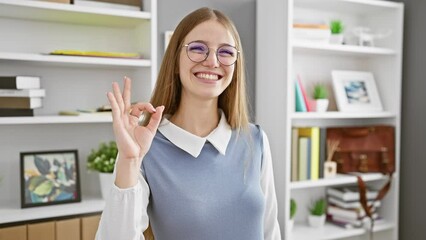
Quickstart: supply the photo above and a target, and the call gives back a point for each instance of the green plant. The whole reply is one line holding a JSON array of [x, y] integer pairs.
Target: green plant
[[320, 91], [318, 207], [293, 208], [103, 158], [336, 27]]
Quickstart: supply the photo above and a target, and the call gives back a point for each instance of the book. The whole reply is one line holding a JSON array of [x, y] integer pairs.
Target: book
[[12, 112], [300, 102], [121, 5], [365, 221], [304, 94], [322, 150], [96, 54], [19, 82], [313, 133], [294, 154], [350, 193], [80, 112], [20, 102], [348, 213], [303, 158], [352, 204], [22, 92]]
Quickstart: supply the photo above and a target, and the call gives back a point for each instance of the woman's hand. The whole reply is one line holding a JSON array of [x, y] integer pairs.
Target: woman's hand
[[133, 141]]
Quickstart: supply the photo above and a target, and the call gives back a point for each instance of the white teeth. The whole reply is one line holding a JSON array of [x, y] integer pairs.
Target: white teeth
[[208, 76]]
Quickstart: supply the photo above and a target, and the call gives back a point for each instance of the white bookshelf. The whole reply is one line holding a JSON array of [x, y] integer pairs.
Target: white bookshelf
[[280, 59], [32, 29], [12, 212]]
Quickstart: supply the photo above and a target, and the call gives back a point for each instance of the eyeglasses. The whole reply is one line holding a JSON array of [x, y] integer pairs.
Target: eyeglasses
[[198, 52]]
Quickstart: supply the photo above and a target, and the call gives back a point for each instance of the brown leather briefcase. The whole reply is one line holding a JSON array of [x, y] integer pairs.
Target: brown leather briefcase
[[364, 149]]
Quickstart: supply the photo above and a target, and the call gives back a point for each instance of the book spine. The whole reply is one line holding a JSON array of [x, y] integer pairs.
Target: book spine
[[8, 83], [304, 94], [294, 161], [303, 158], [5, 112], [300, 103]]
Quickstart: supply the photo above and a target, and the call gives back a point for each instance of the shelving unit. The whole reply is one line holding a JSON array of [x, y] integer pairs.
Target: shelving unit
[[280, 58], [32, 29]]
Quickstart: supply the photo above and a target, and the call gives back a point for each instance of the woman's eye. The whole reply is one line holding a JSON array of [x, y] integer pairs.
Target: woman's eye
[[198, 49], [226, 52]]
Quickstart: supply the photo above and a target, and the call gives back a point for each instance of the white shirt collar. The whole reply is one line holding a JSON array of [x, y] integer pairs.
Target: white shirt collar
[[193, 144]]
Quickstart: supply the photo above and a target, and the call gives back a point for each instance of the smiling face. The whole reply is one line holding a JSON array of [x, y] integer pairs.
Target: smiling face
[[206, 80]]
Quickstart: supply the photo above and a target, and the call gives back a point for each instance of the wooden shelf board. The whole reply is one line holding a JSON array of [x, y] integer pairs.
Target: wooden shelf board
[[10, 212], [56, 119], [67, 60], [67, 13], [340, 179], [341, 115], [359, 7], [330, 231], [313, 47]]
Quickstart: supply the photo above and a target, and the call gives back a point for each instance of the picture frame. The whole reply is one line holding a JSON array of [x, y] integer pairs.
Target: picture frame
[[49, 178], [356, 91]]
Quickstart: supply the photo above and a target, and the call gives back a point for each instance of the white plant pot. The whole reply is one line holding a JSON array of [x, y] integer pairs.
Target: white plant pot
[[336, 39], [316, 221], [290, 224], [321, 105], [106, 180]]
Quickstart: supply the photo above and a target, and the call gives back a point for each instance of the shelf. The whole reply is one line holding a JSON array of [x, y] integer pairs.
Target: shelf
[[322, 48], [55, 119], [358, 7], [330, 231], [10, 212], [66, 60], [340, 179], [341, 115], [67, 13]]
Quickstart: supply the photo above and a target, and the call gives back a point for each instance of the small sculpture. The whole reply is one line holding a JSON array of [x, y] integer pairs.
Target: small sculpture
[[366, 37]]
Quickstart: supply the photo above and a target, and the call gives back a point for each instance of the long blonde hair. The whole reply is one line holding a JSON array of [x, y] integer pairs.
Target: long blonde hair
[[167, 92]]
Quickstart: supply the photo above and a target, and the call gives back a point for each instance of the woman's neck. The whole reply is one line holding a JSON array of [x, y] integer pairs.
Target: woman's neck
[[198, 118]]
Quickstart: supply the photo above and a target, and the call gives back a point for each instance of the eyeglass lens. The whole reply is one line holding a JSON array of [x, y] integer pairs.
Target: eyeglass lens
[[198, 52]]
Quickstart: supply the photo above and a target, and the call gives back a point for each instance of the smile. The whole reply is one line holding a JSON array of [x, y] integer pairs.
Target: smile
[[208, 76]]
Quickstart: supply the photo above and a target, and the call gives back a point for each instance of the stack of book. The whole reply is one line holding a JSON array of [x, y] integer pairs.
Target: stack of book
[[131, 5], [20, 95], [311, 31], [344, 208]]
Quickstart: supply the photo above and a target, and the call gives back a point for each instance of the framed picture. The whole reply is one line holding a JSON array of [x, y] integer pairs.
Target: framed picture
[[49, 178], [356, 91]]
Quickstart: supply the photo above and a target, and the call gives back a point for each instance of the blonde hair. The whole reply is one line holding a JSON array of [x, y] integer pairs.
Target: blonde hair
[[167, 91]]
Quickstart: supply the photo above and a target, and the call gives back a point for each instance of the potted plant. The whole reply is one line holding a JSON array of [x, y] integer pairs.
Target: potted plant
[[336, 28], [102, 160], [321, 97], [316, 217], [293, 209]]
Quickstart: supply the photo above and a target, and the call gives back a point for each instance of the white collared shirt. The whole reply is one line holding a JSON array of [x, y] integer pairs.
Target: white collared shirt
[[125, 214]]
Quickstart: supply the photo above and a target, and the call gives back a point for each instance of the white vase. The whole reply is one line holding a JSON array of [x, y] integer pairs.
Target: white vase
[[106, 180], [336, 39], [316, 221], [321, 105], [290, 225]]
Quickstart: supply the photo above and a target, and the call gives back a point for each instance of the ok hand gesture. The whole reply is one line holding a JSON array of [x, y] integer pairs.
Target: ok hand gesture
[[133, 141]]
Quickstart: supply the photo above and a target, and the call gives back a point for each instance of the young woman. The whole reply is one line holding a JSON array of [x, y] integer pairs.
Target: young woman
[[198, 170]]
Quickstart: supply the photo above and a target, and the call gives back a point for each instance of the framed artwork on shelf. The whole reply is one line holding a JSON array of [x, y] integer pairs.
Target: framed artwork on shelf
[[49, 177], [356, 91]]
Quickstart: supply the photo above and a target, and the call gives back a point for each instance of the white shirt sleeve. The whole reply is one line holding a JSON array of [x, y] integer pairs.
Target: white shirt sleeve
[[271, 226], [125, 214]]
